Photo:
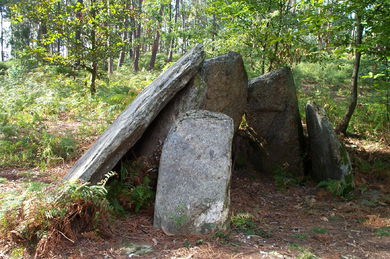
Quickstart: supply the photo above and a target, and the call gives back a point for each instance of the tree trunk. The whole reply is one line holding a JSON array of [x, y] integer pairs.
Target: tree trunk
[[156, 41], [122, 53], [172, 43], [343, 125], [137, 37], [154, 51], [78, 42], [110, 60], [2, 35], [94, 68], [92, 86]]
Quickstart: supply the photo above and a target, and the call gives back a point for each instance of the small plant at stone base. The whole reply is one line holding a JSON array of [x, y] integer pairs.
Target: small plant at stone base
[[305, 253], [132, 189], [300, 236], [341, 188], [383, 232], [222, 236], [284, 179], [319, 230], [243, 222]]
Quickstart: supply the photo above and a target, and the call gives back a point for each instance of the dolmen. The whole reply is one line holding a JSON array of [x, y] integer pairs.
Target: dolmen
[[198, 119]]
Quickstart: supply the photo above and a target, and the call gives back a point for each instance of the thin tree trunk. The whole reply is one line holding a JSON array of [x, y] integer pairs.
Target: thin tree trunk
[[214, 32], [172, 43], [343, 125], [156, 41], [122, 53], [110, 59], [78, 42], [92, 86], [94, 68], [2, 35], [137, 37]]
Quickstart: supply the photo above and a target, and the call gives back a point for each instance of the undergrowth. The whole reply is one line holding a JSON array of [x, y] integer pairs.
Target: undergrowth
[[132, 189], [328, 83], [244, 223], [341, 188], [46, 112], [42, 217]]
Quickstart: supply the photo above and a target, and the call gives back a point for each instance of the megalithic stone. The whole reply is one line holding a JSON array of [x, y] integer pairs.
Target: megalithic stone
[[194, 175], [329, 157], [133, 121], [273, 114], [220, 86]]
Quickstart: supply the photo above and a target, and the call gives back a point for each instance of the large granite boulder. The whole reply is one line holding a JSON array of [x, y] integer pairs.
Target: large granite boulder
[[273, 114], [194, 175], [135, 119], [226, 81], [220, 86], [330, 159]]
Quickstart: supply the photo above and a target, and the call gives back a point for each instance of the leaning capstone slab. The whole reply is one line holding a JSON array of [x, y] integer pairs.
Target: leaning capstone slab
[[273, 114], [220, 86], [330, 159], [193, 194], [134, 120]]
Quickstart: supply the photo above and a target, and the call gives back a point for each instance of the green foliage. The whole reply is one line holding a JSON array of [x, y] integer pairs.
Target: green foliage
[[319, 230], [305, 253], [131, 190], [383, 231], [43, 214], [327, 83], [3, 68], [45, 114], [341, 188], [284, 179], [300, 236], [243, 222]]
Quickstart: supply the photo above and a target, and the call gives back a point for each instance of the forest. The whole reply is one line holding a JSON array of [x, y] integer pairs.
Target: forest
[[70, 67]]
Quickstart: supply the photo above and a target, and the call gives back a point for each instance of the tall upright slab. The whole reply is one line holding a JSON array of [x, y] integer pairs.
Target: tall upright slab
[[273, 114], [133, 121], [329, 157], [194, 175]]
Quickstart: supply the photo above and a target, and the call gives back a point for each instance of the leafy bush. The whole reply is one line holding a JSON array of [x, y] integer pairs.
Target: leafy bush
[[284, 179], [43, 216], [132, 189], [243, 222], [341, 188], [328, 84], [45, 112]]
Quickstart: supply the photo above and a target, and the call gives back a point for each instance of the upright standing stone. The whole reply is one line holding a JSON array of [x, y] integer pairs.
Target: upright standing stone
[[330, 159], [194, 175], [273, 114], [227, 82], [220, 86], [133, 121]]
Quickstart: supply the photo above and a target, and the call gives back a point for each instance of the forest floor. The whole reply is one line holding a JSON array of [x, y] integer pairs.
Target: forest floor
[[300, 221]]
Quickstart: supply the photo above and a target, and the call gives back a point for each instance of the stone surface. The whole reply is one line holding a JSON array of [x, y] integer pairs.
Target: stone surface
[[220, 86], [226, 81], [330, 159], [246, 151], [134, 120], [273, 114], [193, 190]]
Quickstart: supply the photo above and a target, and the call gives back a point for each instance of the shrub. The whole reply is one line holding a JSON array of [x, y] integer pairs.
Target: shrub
[[45, 216]]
